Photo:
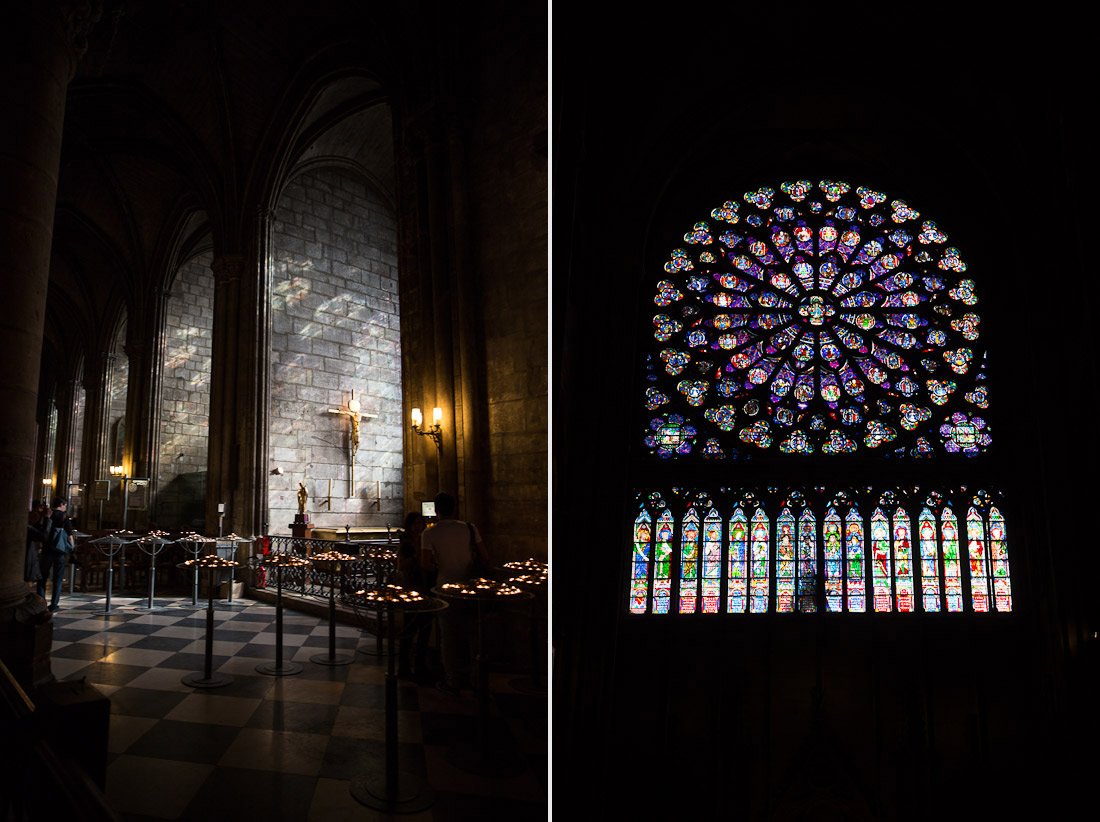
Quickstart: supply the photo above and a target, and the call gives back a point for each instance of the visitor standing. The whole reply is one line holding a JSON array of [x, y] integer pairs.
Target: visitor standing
[[37, 520], [453, 549], [57, 544]]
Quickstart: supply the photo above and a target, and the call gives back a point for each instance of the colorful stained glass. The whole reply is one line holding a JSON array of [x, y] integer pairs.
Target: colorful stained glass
[[807, 562], [639, 578], [833, 537], [903, 562], [689, 562], [662, 565], [738, 581], [784, 562], [929, 562], [856, 581], [964, 433], [952, 572], [760, 577], [979, 561], [901, 572], [824, 294], [712, 562], [671, 435], [998, 552], [880, 562]]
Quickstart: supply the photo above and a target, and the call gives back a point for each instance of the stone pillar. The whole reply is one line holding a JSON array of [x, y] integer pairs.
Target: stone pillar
[[143, 348], [93, 458], [46, 41], [66, 402], [440, 317], [238, 398]]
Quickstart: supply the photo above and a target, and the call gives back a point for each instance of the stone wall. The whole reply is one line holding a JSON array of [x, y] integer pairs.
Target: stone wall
[[334, 329], [508, 195], [185, 397]]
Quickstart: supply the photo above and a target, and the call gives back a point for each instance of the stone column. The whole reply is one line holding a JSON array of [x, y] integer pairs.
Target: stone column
[[46, 41], [440, 322], [143, 348], [93, 457], [66, 402], [238, 400], [42, 453]]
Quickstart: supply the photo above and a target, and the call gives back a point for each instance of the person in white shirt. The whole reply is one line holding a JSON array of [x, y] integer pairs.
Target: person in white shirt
[[449, 549]]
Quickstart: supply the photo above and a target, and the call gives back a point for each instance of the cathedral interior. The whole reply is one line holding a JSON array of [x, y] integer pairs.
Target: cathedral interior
[[822, 715], [253, 249]]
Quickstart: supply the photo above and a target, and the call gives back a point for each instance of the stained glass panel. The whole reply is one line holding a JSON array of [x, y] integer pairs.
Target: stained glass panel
[[834, 562], [807, 562], [639, 579], [759, 580], [856, 583], [998, 551], [784, 562], [952, 574], [662, 565], [929, 562], [689, 562], [880, 563], [724, 556], [712, 562], [903, 562], [737, 583], [979, 561]]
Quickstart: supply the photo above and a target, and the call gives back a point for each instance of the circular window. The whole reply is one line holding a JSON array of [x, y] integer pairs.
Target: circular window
[[816, 319]]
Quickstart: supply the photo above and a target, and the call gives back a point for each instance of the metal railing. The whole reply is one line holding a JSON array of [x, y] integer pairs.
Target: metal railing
[[362, 572]]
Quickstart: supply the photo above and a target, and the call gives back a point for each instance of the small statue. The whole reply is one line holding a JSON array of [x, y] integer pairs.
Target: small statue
[[303, 495]]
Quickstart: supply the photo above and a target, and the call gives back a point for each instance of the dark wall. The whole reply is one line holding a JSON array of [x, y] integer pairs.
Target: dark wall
[[859, 716]]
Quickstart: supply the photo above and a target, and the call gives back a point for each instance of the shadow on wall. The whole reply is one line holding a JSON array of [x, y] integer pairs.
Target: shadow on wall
[[181, 503]]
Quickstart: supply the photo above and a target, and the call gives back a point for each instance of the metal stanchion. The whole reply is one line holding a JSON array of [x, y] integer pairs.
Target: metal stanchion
[[109, 546], [383, 562], [533, 578], [194, 544], [336, 564], [233, 541], [486, 758], [72, 565], [209, 679], [279, 562], [393, 791], [153, 544]]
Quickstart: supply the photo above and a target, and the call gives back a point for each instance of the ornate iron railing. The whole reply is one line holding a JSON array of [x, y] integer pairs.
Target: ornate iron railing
[[375, 562]]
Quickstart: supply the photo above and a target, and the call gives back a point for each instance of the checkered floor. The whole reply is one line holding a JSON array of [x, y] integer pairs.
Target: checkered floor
[[269, 748]]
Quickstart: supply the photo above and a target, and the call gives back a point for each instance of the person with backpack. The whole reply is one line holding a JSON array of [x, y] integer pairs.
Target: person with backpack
[[37, 519], [57, 544]]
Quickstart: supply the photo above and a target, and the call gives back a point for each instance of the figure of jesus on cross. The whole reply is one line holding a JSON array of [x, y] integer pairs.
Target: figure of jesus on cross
[[354, 416]]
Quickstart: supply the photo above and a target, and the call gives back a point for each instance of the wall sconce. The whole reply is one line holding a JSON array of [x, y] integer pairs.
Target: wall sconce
[[436, 430], [116, 470]]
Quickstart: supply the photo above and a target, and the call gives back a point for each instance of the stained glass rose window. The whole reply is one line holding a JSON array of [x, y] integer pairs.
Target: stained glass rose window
[[828, 319]]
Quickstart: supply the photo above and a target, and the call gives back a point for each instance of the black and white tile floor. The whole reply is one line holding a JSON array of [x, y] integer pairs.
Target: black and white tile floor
[[277, 748]]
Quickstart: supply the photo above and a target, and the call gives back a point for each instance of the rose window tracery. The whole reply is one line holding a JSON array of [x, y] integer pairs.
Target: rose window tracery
[[825, 319]]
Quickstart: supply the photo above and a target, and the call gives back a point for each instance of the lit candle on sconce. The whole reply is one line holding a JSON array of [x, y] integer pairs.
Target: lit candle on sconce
[[436, 429]]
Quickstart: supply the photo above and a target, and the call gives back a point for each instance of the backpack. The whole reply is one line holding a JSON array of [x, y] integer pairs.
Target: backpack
[[56, 539]]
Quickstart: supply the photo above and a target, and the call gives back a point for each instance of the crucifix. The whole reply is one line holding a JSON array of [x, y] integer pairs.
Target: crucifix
[[354, 417]]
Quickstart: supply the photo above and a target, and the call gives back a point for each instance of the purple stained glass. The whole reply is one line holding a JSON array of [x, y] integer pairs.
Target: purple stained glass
[[820, 294]]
